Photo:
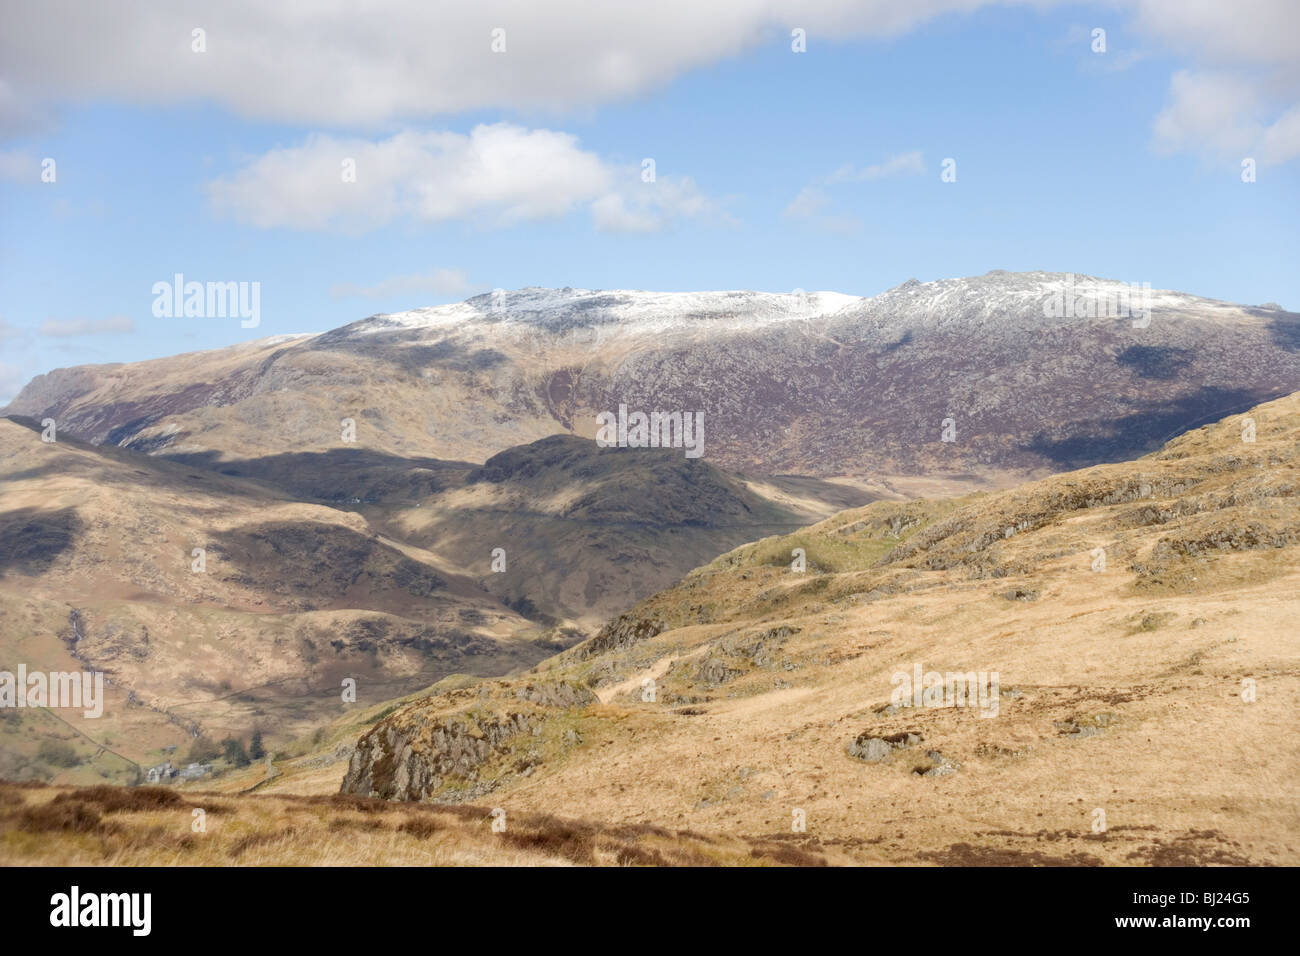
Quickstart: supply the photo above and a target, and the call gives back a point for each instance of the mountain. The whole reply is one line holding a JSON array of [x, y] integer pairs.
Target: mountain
[[296, 595], [585, 531], [1132, 623], [474, 527], [97, 571], [1033, 374]]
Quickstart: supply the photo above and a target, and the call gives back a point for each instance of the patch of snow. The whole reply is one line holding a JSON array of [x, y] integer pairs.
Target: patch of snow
[[629, 311], [1012, 297]]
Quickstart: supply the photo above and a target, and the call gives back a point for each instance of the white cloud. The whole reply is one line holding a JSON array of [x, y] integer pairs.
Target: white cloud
[[1237, 32], [809, 201], [437, 282], [902, 163], [1281, 139], [1243, 96], [813, 201], [1225, 115], [497, 175], [1207, 110], [652, 207], [65, 328], [18, 116], [345, 64], [340, 65]]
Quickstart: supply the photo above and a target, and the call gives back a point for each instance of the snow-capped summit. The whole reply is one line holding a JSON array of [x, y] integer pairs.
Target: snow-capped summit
[[1030, 371], [632, 311], [1013, 300]]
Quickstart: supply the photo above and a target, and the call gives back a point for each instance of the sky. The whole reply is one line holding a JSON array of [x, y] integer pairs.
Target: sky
[[354, 159]]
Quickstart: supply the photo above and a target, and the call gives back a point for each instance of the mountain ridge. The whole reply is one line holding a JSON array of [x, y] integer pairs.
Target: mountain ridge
[[816, 384], [218, 600], [1132, 682]]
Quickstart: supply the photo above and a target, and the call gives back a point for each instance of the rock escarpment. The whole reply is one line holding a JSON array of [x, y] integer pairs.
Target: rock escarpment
[[462, 744]]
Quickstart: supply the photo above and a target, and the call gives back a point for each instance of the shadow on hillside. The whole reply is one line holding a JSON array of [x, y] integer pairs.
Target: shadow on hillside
[[1131, 436], [31, 539], [902, 342], [318, 562], [1284, 327], [339, 475], [1160, 362], [394, 346]]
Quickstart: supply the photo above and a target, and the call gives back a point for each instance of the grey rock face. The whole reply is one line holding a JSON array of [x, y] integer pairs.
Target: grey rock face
[[390, 762], [874, 749], [938, 765], [422, 751], [624, 631]]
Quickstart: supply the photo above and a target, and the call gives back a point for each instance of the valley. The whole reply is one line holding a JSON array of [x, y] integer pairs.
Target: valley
[[651, 657]]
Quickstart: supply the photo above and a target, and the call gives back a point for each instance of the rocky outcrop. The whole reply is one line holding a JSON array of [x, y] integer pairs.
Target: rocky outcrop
[[434, 750], [412, 762], [873, 747], [556, 693], [622, 632]]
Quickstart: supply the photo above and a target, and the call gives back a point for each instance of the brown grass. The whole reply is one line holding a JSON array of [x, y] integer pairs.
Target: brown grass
[[126, 799], [62, 817], [152, 826]]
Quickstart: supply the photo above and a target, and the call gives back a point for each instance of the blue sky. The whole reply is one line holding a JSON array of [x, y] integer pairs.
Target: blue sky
[[1121, 164]]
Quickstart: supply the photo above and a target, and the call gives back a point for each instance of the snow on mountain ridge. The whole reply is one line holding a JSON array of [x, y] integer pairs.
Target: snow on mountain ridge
[[996, 294], [630, 310], [1030, 301]]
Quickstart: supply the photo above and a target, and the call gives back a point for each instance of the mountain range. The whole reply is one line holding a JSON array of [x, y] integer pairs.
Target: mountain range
[[821, 384], [1112, 650], [1136, 620], [418, 495]]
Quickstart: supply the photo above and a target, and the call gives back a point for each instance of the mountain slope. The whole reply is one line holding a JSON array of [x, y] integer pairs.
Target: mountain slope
[[97, 571], [391, 586], [586, 531], [1142, 713], [811, 384]]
